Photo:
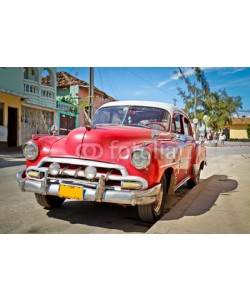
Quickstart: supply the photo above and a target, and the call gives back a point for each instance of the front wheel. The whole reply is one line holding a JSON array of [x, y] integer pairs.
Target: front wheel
[[154, 211], [49, 201]]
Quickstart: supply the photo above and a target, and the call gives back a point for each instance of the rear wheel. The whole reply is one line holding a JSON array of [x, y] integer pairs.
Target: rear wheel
[[49, 201], [154, 211]]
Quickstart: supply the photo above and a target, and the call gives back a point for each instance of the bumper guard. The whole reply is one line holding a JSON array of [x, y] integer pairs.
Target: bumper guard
[[99, 194]]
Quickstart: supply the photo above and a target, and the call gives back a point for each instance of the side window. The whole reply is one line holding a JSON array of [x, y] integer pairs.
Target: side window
[[1, 114], [187, 127], [177, 124]]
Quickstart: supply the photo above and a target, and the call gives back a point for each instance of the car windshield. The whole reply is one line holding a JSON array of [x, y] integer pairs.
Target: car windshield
[[139, 116]]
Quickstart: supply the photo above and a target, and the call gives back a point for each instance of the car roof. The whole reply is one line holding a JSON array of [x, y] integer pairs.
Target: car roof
[[169, 107]]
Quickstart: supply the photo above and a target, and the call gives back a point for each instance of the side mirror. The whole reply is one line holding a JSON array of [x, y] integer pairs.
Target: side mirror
[[54, 129], [155, 134]]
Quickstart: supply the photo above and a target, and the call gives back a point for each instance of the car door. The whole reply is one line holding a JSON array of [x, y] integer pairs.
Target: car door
[[184, 144], [189, 146]]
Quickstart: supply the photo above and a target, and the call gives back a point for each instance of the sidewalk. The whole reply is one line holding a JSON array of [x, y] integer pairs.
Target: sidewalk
[[220, 203], [227, 144], [11, 154]]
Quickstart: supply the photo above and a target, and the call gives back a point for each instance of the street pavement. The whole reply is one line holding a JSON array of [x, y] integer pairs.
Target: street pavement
[[220, 203]]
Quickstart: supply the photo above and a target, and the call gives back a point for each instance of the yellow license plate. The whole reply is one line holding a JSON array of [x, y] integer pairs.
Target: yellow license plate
[[73, 192]]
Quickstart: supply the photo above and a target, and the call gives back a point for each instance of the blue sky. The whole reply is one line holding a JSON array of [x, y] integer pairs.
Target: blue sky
[[160, 83]]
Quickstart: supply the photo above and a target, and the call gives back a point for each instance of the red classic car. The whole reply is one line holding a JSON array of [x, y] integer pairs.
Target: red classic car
[[132, 153]]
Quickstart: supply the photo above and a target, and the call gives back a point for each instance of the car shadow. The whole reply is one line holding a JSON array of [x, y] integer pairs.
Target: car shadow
[[103, 215], [203, 197]]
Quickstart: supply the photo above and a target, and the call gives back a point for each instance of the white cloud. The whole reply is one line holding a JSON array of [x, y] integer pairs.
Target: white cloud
[[235, 70], [186, 71], [162, 83], [232, 83]]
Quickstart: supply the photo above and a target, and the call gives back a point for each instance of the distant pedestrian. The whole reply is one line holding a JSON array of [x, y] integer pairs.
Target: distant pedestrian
[[209, 136], [215, 139], [222, 139]]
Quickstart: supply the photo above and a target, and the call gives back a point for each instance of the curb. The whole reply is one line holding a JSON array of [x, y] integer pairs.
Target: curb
[[12, 156]]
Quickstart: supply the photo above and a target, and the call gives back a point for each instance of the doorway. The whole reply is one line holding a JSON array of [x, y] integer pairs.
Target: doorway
[[12, 127], [67, 123]]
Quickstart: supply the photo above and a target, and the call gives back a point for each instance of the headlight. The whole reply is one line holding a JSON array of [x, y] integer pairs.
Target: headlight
[[54, 169], [140, 158], [90, 172], [30, 151]]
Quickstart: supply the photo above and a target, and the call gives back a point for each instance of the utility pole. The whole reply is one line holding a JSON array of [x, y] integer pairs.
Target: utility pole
[[91, 91]]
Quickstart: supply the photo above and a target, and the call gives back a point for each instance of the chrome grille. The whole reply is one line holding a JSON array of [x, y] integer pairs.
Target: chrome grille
[[72, 170]]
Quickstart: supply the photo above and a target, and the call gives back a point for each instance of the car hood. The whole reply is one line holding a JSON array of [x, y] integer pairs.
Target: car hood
[[101, 143]]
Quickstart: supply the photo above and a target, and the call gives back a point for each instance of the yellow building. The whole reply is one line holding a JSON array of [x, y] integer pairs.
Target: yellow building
[[10, 119], [238, 128]]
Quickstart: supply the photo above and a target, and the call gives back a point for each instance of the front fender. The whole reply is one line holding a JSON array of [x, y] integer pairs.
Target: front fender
[[152, 173], [44, 144]]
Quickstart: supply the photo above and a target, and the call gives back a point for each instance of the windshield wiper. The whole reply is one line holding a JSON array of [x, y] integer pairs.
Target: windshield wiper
[[137, 125], [107, 124]]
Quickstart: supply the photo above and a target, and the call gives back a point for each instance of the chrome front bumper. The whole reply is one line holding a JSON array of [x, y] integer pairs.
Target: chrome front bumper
[[99, 193]]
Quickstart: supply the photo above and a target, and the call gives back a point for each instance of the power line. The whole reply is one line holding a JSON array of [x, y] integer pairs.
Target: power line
[[165, 92], [100, 78], [71, 70], [105, 79], [112, 82], [109, 81]]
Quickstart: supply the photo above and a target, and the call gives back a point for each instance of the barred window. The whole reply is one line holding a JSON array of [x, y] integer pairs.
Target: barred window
[[1, 114]]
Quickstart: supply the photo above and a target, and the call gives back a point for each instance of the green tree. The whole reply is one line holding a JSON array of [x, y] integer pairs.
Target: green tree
[[85, 103], [86, 106], [219, 106], [70, 100], [196, 93]]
